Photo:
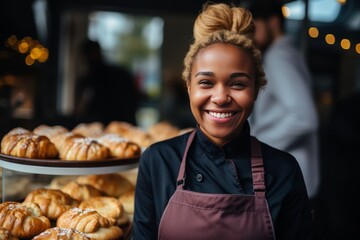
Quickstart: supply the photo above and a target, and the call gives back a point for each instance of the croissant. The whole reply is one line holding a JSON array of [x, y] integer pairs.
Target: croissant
[[93, 129], [52, 202], [50, 131], [20, 143], [83, 149], [112, 185], [79, 191], [61, 234], [23, 220], [90, 222], [60, 139], [128, 200], [120, 147], [108, 207]]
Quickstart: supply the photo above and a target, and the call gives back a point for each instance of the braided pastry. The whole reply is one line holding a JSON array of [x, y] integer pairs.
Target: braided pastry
[[61, 234], [23, 220], [120, 147], [52, 202], [90, 222], [108, 207], [22, 143]]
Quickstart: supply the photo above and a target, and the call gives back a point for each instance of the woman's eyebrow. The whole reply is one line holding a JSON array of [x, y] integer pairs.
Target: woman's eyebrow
[[204, 74], [240, 74]]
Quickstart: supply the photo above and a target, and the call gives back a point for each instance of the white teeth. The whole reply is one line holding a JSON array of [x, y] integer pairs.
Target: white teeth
[[220, 115]]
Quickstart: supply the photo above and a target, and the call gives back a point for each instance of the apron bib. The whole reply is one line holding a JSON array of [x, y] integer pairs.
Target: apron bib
[[192, 215]]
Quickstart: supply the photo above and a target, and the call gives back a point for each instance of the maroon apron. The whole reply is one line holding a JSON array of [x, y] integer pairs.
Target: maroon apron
[[193, 215]]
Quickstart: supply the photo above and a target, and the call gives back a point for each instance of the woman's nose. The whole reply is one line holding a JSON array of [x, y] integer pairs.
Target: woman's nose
[[220, 96]]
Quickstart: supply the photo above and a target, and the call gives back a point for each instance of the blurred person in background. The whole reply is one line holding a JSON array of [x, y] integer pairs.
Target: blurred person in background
[[105, 92], [285, 114]]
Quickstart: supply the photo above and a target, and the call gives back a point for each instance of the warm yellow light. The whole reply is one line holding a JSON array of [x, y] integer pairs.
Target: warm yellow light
[[342, 2], [357, 48], [35, 53], [23, 47], [29, 61], [345, 43], [12, 41], [44, 55], [313, 32], [286, 11], [330, 39]]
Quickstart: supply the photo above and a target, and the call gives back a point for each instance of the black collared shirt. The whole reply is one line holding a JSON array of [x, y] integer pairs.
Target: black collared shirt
[[226, 169]]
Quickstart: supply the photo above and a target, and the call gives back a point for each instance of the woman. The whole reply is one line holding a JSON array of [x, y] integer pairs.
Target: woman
[[218, 182]]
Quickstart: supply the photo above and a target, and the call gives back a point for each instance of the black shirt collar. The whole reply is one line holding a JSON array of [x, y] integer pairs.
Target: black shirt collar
[[239, 146]]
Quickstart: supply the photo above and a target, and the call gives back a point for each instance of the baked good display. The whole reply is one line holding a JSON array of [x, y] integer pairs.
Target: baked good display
[[61, 234], [108, 207], [120, 147], [52, 202], [5, 234], [25, 144], [91, 223], [83, 149], [29, 220], [93, 129], [112, 185], [79, 191], [127, 199], [60, 139]]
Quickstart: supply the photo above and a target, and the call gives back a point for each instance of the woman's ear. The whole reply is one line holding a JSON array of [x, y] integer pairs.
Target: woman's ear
[[188, 86]]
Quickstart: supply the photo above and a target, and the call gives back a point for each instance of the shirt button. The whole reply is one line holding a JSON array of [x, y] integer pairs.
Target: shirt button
[[199, 177]]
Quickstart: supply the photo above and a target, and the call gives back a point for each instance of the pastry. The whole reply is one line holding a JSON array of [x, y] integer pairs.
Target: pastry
[[91, 223], [23, 143], [52, 202], [50, 131], [112, 185], [127, 200], [6, 234], [93, 129], [83, 149], [61, 234], [120, 147], [119, 127], [59, 182], [29, 220], [60, 139], [108, 207], [80, 192]]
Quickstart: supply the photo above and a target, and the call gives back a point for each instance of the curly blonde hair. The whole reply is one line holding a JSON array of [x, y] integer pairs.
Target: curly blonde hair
[[222, 23]]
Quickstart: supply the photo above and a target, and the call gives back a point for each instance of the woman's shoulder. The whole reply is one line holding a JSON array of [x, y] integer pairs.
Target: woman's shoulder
[[276, 157]]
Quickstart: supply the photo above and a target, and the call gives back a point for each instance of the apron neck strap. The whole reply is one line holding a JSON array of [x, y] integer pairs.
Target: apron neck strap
[[181, 176], [257, 168]]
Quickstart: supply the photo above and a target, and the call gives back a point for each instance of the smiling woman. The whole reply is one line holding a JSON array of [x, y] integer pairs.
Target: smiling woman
[[218, 182]]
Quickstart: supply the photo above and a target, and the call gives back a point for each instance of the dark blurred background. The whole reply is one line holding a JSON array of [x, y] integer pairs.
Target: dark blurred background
[[43, 67]]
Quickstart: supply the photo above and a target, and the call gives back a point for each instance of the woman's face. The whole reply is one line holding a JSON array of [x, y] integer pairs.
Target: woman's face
[[222, 91]]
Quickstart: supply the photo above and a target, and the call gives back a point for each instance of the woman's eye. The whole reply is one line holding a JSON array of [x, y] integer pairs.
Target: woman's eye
[[238, 84], [205, 83]]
